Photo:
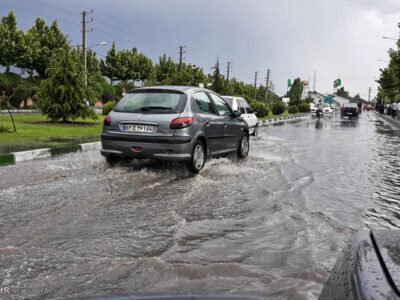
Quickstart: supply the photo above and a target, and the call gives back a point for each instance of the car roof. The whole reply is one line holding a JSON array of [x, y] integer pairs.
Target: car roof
[[181, 88]]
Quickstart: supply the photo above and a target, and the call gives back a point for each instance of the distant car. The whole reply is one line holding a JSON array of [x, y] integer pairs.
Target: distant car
[[368, 107], [239, 103], [313, 109], [349, 110], [328, 110], [173, 123]]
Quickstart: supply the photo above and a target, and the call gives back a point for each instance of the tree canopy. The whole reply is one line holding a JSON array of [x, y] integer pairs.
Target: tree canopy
[[62, 95]]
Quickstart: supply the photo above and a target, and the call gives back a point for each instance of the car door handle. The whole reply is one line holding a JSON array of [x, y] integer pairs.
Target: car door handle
[[207, 123], [225, 124]]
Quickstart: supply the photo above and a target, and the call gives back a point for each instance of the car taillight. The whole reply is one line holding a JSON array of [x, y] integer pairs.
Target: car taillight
[[356, 109], [313, 109], [181, 123], [342, 108], [326, 110], [107, 121]]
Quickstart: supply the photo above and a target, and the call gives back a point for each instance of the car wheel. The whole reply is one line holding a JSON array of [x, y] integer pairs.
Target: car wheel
[[244, 146], [198, 157], [255, 131]]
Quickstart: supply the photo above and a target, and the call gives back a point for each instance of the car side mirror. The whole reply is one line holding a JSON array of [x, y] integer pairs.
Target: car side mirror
[[236, 114], [254, 112]]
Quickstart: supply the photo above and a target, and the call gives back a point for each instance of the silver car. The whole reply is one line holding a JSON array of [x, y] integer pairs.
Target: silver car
[[173, 123]]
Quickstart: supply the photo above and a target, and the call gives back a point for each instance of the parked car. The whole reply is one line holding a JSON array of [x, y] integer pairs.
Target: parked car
[[349, 110], [173, 123], [368, 107], [239, 103]]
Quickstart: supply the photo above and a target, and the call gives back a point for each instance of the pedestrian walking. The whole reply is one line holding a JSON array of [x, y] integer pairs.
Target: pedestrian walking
[[394, 110]]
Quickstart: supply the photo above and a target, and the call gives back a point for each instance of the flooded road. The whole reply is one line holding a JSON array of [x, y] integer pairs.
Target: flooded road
[[270, 226]]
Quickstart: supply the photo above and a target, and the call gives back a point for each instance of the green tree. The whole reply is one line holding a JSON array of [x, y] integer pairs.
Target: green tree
[[43, 43], [11, 41], [126, 65], [357, 97], [109, 67], [165, 69], [342, 92], [62, 95], [295, 92], [217, 79]]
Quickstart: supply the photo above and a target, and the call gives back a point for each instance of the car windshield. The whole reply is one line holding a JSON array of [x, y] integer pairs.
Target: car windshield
[[150, 102], [350, 105]]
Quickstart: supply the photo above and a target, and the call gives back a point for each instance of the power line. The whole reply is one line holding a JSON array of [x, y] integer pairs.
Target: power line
[[39, 14]]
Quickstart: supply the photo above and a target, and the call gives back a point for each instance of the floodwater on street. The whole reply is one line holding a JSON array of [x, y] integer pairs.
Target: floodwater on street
[[271, 225]]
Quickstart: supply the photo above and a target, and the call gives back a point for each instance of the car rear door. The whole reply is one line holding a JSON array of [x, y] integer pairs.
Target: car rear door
[[231, 126], [207, 115]]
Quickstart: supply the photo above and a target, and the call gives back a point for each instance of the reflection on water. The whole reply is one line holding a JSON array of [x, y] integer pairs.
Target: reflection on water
[[271, 225]]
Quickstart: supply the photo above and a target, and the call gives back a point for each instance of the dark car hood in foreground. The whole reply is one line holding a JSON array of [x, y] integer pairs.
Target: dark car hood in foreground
[[388, 248], [367, 268]]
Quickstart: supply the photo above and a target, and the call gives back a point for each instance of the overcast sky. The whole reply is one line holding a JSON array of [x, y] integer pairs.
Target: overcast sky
[[335, 39]]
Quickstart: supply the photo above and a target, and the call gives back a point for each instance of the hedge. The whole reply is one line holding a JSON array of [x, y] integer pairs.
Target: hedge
[[278, 108]]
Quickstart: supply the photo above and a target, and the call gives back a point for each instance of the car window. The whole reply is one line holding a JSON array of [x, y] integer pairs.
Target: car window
[[222, 107], [149, 102], [241, 106], [204, 103]]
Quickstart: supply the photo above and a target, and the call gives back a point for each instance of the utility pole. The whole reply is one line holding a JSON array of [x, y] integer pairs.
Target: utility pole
[[267, 84], [84, 46], [369, 94], [255, 85], [181, 52], [315, 79], [84, 22], [228, 70]]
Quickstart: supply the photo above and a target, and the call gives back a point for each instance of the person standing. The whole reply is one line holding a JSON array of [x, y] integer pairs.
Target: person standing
[[394, 110]]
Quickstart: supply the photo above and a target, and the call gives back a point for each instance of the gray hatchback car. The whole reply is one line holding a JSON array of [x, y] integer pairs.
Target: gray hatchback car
[[173, 123]]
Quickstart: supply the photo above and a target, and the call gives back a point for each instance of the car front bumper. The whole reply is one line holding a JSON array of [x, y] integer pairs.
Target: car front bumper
[[177, 148]]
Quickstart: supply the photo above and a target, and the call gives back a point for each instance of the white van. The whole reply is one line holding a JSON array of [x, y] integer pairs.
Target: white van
[[239, 103]]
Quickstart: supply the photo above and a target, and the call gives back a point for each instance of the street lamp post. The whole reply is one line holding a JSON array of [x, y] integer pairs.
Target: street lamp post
[[85, 58], [389, 38]]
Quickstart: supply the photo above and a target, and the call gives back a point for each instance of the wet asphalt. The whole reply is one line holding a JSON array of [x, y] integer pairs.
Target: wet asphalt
[[271, 225]]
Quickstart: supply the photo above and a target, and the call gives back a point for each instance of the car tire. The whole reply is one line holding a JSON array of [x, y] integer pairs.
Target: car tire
[[111, 160], [243, 146], [255, 131], [198, 158]]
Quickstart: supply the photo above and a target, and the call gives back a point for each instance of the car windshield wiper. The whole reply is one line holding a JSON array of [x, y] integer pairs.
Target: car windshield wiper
[[155, 107]]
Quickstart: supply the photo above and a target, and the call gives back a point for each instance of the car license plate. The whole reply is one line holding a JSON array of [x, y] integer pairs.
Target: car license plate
[[349, 113], [138, 128]]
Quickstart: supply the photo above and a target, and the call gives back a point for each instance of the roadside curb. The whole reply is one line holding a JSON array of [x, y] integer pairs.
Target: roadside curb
[[389, 120], [21, 156], [278, 120]]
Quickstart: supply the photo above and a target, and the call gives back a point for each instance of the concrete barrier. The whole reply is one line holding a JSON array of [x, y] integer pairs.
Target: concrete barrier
[[31, 154], [91, 146]]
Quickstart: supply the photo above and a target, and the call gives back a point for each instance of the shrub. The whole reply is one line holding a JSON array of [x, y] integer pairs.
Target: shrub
[[4, 128], [304, 107], [278, 108], [108, 107], [108, 94], [293, 109], [261, 109]]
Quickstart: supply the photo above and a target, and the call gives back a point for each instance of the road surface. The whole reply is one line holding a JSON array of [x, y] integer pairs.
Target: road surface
[[271, 225]]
